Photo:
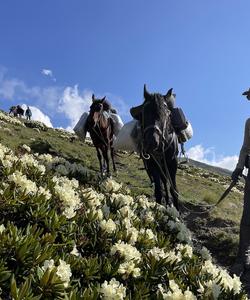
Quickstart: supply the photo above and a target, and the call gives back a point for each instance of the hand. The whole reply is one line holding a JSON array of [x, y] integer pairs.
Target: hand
[[236, 174]]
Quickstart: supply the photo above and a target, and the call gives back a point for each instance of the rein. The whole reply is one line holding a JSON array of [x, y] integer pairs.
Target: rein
[[208, 208]]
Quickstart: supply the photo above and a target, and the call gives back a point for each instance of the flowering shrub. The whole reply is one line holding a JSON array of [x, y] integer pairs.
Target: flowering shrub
[[9, 119], [64, 238], [36, 125]]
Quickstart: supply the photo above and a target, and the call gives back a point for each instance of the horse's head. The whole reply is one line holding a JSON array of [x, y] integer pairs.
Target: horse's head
[[96, 108], [154, 118]]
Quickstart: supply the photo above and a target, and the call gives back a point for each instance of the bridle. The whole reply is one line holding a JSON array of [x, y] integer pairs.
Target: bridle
[[97, 126], [160, 131]]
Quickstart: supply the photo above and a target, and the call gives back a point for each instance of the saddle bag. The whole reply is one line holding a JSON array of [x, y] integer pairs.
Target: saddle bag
[[124, 140], [185, 134], [79, 128], [118, 124], [178, 120]]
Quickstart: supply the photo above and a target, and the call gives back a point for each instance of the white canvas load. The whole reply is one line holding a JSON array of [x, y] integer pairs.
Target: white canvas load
[[79, 128], [185, 134], [124, 140], [118, 124]]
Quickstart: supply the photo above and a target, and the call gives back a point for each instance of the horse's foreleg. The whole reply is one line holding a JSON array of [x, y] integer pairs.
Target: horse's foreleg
[[112, 157], [166, 191], [106, 158], [173, 187], [158, 192], [100, 159]]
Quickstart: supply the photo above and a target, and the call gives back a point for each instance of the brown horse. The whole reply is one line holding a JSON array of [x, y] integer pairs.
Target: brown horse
[[101, 129]]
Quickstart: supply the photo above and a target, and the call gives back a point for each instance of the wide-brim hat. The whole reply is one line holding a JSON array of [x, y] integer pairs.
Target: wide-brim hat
[[246, 93]]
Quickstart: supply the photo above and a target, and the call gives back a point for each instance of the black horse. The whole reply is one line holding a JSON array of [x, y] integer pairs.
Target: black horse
[[101, 129], [159, 144]]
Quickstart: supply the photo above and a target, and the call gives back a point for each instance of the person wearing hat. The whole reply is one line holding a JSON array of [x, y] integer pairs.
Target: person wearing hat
[[241, 266]]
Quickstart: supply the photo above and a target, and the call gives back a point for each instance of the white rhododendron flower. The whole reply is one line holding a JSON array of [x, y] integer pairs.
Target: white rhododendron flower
[[64, 272], [10, 119], [75, 251], [175, 293], [93, 198], [144, 202], [209, 267], [2, 228], [113, 290], [121, 200], [65, 189], [185, 249], [26, 147], [133, 234], [46, 158], [46, 193], [108, 226], [99, 214], [148, 217], [129, 268], [148, 233], [127, 251], [22, 183], [110, 185], [48, 264], [160, 253], [126, 211], [28, 160]]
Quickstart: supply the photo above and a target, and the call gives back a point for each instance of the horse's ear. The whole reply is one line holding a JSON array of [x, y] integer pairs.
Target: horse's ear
[[169, 93], [93, 97], [146, 93], [103, 98]]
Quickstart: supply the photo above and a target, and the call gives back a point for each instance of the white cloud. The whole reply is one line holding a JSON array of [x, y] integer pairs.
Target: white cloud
[[209, 157], [73, 104], [119, 104], [38, 115], [49, 73]]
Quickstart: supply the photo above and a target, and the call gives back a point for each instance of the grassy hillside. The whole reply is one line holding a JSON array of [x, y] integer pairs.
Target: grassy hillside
[[197, 183], [217, 230]]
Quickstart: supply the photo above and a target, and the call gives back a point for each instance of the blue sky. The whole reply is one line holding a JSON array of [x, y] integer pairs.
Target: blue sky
[[54, 54]]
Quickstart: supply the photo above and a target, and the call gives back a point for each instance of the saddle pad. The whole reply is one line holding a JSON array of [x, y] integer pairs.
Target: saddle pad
[[124, 140], [79, 128]]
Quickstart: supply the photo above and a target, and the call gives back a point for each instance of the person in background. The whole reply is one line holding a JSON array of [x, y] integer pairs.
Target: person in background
[[241, 266], [28, 113]]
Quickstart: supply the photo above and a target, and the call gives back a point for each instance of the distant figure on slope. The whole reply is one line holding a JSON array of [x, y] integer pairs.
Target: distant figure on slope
[[17, 111], [28, 113], [242, 264]]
